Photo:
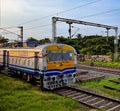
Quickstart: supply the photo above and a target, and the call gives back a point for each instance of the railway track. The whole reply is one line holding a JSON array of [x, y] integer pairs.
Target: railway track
[[100, 69], [90, 99]]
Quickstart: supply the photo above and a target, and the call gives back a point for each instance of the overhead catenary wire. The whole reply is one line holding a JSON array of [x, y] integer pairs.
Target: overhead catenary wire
[[38, 26], [10, 31], [100, 13], [89, 3], [41, 26], [61, 12]]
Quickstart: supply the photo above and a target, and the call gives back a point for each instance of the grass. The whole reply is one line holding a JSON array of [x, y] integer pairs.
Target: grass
[[17, 95], [110, 64], [97, 86]]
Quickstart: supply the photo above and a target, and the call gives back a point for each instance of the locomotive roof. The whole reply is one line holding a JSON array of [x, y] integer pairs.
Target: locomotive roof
[[46, 45], [40, 47], [43, 46]]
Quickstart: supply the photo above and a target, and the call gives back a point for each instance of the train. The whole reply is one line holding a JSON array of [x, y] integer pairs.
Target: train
[[51, 65]]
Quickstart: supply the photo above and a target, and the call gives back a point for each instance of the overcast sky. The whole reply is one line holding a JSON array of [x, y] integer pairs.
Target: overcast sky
[[35, 16]]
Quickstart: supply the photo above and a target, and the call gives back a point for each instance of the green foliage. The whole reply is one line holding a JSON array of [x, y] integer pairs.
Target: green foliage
[[32, 39], [98, 63], [111, 64], [97, 86], [90, 45], [3, 40], [17, 95], [43, 41]]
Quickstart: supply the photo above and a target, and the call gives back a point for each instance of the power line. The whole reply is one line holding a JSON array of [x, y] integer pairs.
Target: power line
[[38, 26], [101, 13], [61, 12], [10, 31], [52, 15], [79, 6], [8, 27]]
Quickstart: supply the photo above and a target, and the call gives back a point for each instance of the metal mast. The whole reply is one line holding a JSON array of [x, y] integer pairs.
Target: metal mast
[[71, 21], [21, 33]]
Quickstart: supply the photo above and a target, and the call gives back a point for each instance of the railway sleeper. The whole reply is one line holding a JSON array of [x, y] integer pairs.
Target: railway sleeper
[[106, 105], [69, 93], [93, 101], [75, 94], [114, 108], [85, 98], [80, 96]]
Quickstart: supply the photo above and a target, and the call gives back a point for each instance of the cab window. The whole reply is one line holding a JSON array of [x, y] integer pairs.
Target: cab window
[[60, 56]]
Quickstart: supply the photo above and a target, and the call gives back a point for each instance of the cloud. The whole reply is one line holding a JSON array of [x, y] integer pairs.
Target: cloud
[[13, 6], [15, 12]]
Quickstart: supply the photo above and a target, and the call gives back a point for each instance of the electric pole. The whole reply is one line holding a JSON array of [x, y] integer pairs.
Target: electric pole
[[21, 33], [107, 34]]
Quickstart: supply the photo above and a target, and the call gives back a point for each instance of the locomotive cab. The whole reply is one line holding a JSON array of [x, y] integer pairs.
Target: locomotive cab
[[60, 68]]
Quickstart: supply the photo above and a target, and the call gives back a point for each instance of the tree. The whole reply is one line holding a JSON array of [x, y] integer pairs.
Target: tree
[[31, 39], [43, 41], [3, 39]]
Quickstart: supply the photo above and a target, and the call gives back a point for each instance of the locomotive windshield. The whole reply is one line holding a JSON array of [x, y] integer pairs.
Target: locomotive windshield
[[60, 56]]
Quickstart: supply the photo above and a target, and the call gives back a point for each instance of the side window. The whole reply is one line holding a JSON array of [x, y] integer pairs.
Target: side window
[[19, 61], [24, 62], [12, 60], [29, 63], [16, 60], [0, 59]]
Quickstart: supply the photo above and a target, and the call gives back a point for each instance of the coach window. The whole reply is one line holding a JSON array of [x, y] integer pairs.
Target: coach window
[[19, 61], [15, 60], [30, 63], [24, 62], [12, 60]]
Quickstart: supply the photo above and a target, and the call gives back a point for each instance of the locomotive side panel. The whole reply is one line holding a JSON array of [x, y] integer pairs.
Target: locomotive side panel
[[22, 60]]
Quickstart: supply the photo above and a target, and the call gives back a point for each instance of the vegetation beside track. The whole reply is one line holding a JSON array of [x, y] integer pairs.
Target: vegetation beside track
[[17, 95], [98, 87], [108, 64]]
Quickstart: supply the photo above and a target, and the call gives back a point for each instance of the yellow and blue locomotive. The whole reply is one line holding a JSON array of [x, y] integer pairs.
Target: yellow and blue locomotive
[[52, 65]]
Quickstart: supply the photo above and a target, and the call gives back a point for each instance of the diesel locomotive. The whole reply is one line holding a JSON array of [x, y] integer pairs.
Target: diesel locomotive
[[50, 65]]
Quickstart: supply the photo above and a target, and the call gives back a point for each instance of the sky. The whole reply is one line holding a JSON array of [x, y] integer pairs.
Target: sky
[[35, 17]]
